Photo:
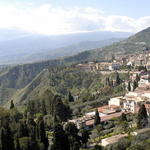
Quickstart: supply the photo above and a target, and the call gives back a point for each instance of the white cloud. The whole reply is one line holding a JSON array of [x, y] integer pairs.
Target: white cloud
[[46, 19]]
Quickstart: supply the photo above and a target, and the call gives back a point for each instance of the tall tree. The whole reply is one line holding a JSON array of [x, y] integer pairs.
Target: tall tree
[[137, 78], [97, 119], [12, 104], [123, 117], [118, 81], [41, 134], [134, 85], [142, 119], [129, 86], [70, 97], [6, 135], [84, 136], [60, 139], [145, 69], [72, 133], [59, 108]]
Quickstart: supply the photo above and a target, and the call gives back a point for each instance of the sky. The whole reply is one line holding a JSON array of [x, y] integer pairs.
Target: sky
[[50, 17]]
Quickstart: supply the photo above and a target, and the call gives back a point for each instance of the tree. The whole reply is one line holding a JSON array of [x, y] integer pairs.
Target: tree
[[142, 119], [137, 78], [41, 134], [118, 81], [84, 136], [72, 133], [70, 97], [6, 135], [97, 119], [135, 85], [99, 129], [129, 86], [60, 139], [123, 117], [17, 144], [59, 109], [145, 69], [11, 105]]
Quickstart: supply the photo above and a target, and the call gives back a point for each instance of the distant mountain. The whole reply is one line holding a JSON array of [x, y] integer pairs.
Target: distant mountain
[[16, 44], [69, 50], [136, 43]]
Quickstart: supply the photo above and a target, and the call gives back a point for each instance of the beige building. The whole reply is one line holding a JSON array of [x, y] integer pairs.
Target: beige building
[[103, 66], [115, 101], [85, 67], [132, 102]]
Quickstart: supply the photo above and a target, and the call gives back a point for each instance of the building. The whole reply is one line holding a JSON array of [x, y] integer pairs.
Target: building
[[132, 101], [85, 67], [103, 66], [114, 66], [115, 101]]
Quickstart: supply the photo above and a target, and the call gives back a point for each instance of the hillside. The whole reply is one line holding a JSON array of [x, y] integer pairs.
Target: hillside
[[19, 82], [135, 43]]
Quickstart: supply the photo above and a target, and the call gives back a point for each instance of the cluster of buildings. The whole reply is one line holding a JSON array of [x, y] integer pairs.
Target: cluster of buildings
[[136, 59], [91, 66], [129, 103]]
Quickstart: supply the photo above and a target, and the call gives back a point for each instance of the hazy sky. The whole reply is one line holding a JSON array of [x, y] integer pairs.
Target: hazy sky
[[71, 16]]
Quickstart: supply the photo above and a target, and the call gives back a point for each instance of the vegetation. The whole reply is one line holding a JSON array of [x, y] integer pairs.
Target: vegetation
[[142, 119]]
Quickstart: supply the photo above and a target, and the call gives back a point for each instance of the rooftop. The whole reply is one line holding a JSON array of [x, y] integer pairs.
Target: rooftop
[[104, 118]]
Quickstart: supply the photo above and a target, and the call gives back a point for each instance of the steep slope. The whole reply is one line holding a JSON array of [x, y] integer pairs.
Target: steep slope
[[60, 79], [143, 36]]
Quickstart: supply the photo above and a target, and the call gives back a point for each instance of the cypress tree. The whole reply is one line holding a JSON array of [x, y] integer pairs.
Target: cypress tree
[[129, 86], [7, 136], [118, 81], [70, 97], [43, 108], [137, 78], [11, 105], [123, 117], [59, 109], [41, 134], [97, 119], [60, 139], [145, 69], [72, 133], [135, 85], [142, 119], [84, 136]]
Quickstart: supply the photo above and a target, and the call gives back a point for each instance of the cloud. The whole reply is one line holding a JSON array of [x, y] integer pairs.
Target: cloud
[[47, 19]]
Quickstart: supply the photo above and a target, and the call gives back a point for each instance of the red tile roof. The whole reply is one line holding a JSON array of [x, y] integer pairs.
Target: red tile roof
[[104, 118]]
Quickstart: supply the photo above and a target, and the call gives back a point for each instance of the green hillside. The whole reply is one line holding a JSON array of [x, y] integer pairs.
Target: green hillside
[[24, 82]]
